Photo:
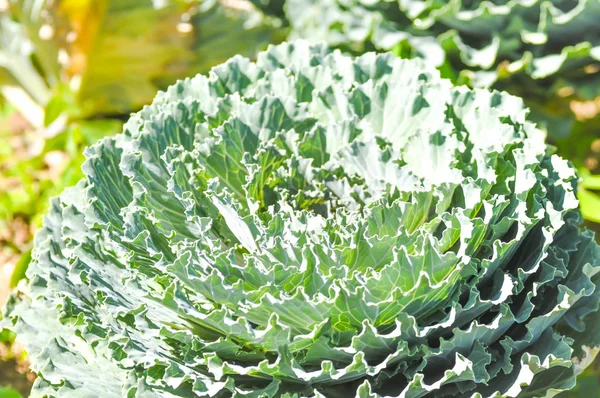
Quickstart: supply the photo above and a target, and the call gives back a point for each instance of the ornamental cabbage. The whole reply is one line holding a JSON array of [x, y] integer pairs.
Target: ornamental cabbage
[[313, 225]]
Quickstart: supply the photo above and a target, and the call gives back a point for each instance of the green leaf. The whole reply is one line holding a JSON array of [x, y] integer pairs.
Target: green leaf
[[589, 181], [6, 392], [20, 268], [590, 205]]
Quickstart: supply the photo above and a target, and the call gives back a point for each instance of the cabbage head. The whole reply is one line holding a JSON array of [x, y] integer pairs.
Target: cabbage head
[[314, 225]]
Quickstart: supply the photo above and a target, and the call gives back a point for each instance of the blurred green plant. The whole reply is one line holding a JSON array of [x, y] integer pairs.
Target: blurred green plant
[[588, 194], [6, 392], [113, 56], [582, 147]]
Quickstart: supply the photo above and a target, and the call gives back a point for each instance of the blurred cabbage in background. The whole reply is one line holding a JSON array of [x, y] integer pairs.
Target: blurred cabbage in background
[[546, 51]]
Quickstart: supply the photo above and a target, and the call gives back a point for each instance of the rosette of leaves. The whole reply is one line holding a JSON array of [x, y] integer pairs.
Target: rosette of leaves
[[313, 225], [547, 51]]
